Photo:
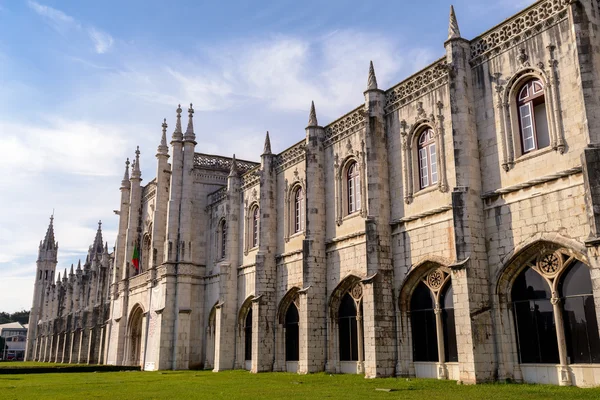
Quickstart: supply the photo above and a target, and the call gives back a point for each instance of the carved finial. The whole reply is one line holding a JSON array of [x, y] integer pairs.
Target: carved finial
[[453, 30], [312, 116], [71, 272], [162, 147], [372, 82], [189, 132], [267, 149], [177, 135], [233, 170], [136, 173], [79, 265], [58, 278]]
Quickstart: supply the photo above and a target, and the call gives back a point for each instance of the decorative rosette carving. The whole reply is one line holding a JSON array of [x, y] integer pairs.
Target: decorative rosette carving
[[549, 264], [435, 279], [357, 291]]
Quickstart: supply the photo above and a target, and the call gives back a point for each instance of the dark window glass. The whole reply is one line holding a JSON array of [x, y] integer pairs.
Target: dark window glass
[[248, 335], [534, 319], [255, 216], [348, 329], [579, 315], [422, 317], [450, 347], [292, 333], [533, 121]]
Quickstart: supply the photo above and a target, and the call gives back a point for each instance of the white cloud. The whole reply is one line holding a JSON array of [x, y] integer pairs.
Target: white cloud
[[102, 40], [57, 19]]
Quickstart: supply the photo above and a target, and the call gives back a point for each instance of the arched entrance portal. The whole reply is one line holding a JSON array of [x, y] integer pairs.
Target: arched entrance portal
[[134, 348]]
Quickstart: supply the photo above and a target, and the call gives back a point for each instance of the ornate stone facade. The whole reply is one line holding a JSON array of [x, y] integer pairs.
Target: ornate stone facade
[[417, 235]]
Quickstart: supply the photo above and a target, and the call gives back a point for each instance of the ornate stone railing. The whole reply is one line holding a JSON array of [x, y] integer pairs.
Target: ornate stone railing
[[207, 161], [416, 85], [250, 178], [291, 156], [532, 20], [217, 196], [138, 280], [341, 127]]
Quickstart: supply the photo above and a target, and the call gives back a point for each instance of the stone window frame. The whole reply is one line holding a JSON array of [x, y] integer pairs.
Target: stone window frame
[[510, 131], [292, 296], [221, 239], [410, 156], [341, 188], [250, 243], [290, 207]]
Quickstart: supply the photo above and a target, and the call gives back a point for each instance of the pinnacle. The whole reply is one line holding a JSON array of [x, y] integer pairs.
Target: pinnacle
[[189, 132], [177, 132], [453, 30], [162, 147], [136, 173], [98, 247], [372, 82], [126, 175], [233, 171], [267, 149], [49, 243], [312, 116]]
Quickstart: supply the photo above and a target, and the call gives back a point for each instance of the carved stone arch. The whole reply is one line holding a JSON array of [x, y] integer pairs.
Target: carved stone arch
[[345, 286], [521, 257], [341, 189], [409, 146], [244, 308], [212, 316], [289, 204], [134, 334], [417, 274], [290, 297], [509, 124]]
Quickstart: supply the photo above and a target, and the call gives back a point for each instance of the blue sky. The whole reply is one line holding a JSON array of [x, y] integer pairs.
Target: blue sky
[[83, 82]]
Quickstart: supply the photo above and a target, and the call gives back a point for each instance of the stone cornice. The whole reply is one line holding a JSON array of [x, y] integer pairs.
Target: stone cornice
[[290, 156], [341, 127]]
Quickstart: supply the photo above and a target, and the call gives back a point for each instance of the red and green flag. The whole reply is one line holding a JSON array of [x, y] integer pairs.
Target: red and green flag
[[135, 260]]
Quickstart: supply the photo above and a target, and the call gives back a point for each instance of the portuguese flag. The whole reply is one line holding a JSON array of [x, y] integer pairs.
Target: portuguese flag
[[135, 260]]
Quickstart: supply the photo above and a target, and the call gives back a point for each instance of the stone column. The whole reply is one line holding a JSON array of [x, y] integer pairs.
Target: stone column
[[564, 377], [442, 372]]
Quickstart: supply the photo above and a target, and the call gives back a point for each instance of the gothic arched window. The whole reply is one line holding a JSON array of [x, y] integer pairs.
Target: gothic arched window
[[422, 318], [449, 330], [248, 336], [292, 333], [223, 239], [353, 187], [298, 209], [579, 315], [535, 308], [348, 329], [255, 218], [533, 121], [428, 173]]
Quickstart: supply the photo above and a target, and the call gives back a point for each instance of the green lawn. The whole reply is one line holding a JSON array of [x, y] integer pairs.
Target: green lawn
[[241, 384], [31, 364]]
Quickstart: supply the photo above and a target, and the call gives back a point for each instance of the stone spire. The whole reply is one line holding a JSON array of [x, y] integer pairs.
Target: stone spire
[[177, 135], [98, 246], [189, 132], [71, 272], [162, 147], [453, 30], [267, 149], [312, 117], [233, 171], [372, 82], [79, 266], [125, 181], [49, 243], [136, 173], [65, 276], [58, 279]]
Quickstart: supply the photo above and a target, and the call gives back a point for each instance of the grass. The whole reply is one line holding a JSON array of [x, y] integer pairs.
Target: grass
[[241, 384], [32, 364]]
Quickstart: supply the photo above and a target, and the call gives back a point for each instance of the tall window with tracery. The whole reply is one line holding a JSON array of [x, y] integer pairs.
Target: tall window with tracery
[[298, 209], [428, 172], [533, 121], [353, 188], [223, 238], [255, 217]]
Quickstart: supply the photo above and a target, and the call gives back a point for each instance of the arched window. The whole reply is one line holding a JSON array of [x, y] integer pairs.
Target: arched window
[[248, 336], [533, 121], [292, 334], [298, 209], [447, 304], [223, 232], [534, 318], [579, 315], [353, 187], [255, 217], [348, 329], [422, 318], [534, 311], [428, 173]]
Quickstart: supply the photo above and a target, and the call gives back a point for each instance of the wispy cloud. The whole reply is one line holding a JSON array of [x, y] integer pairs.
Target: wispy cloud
[[102, 40], [57, 19], [62, 23]]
